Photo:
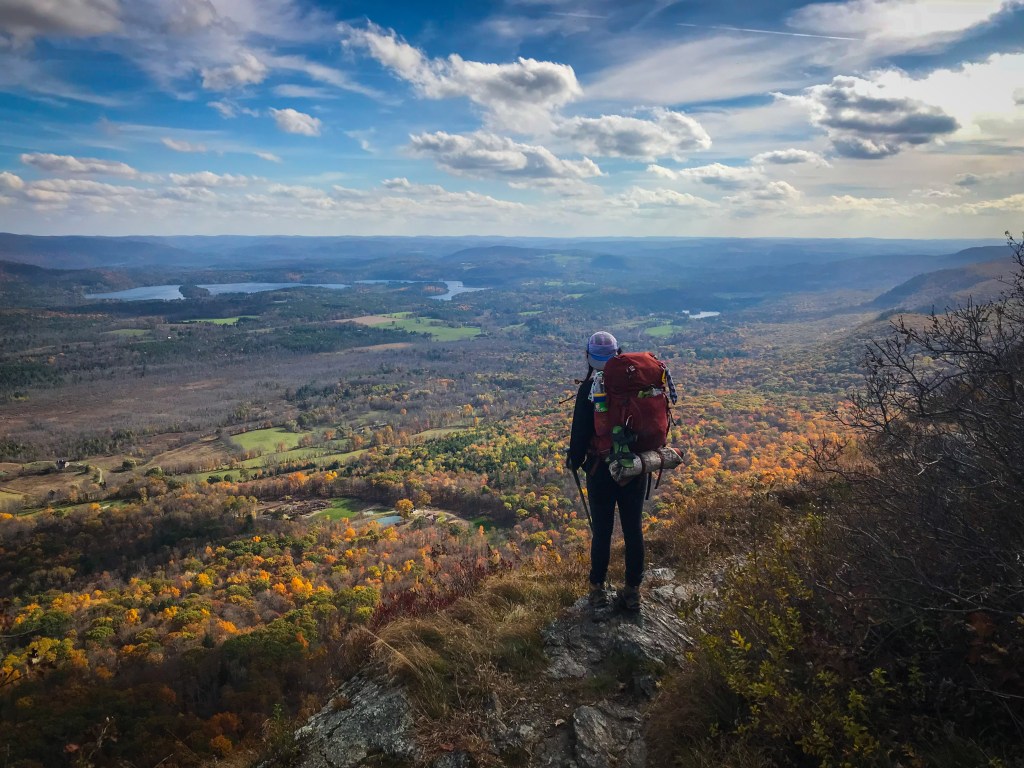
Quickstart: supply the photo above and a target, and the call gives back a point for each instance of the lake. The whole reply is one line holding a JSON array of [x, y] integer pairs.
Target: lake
[[172, 292], [455, 287]]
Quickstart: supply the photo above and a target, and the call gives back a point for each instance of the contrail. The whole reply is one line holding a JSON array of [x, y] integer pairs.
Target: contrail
[[766, 31]]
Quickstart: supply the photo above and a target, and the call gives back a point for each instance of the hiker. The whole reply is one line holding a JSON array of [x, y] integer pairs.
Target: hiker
[[604, 492]]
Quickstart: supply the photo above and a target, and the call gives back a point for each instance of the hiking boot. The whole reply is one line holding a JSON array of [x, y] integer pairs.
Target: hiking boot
[[628, 599], [598, 598]]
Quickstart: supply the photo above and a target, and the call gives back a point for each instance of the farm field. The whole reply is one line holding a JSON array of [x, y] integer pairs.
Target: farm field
[[664, 330], [268, 440], [407, 321], [221, 320]]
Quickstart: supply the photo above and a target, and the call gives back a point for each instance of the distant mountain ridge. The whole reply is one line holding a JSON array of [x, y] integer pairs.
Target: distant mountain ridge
[[233, 250], [946, 288], [84, 252]]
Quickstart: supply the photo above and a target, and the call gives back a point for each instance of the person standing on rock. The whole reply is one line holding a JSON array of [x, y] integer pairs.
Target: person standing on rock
[[603, 491]]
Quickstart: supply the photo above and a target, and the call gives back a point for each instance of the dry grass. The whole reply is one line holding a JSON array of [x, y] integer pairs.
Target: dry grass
[[456, 658], [370, 320], [208, 450], [485, 648]]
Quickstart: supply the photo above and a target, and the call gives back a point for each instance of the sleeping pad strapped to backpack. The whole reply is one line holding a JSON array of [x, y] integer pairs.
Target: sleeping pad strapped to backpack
[[634, 416]]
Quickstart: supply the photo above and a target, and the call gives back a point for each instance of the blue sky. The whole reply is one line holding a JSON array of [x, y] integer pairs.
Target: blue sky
[[882, 118]]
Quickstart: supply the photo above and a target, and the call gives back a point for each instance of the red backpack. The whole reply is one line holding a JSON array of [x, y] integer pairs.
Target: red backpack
[[636, 393]]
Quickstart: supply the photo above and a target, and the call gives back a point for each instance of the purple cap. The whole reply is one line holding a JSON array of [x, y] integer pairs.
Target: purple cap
[[602, 346]]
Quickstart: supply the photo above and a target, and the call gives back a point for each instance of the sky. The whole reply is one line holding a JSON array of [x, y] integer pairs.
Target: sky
[[860, 118]]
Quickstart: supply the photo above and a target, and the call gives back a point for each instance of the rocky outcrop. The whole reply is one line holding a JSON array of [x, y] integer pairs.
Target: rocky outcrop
[[602, 671], [363, 724]]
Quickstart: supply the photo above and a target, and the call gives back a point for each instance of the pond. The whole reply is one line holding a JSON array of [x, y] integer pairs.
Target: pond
[[386, 520]]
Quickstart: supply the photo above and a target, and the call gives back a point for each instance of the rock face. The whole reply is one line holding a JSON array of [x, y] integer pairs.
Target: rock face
[[609, 733], [363, 722], [623, 654]]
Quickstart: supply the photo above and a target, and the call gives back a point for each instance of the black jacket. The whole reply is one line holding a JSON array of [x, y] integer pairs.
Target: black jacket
[[582, 425]]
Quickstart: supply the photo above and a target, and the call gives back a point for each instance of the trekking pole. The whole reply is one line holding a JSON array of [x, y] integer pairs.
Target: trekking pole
[[583, 499]]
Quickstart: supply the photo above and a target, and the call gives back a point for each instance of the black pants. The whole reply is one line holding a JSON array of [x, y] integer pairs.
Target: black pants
[[604, 493]]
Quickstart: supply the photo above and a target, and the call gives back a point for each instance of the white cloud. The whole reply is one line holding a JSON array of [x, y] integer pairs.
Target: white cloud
[[289, 91], [710, 69], [752, 190], [1010, 204], [320, 73], [189, 194], [292, 121], [209, 179], [64, 190], [715, 174], [246, 70], [182, 146], [789, 157], [11, 181], [902, 24], [864, 119], [771, 194], [296, 191], [268, 156], [230, 109], [436, 196], [226, 109], [230, 44], [68, 164], [638, 197], [395, 200], [363, 138], [520, 95], [24, 19], [879, 206], [666, 134], [485, 155]]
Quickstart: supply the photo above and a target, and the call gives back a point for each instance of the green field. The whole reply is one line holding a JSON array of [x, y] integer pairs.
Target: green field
[[661, 331], [299, 455], [222, 320], [437, 330], [342, 508], [532, 312], [232, 473], [129, 332], [267, 440]]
